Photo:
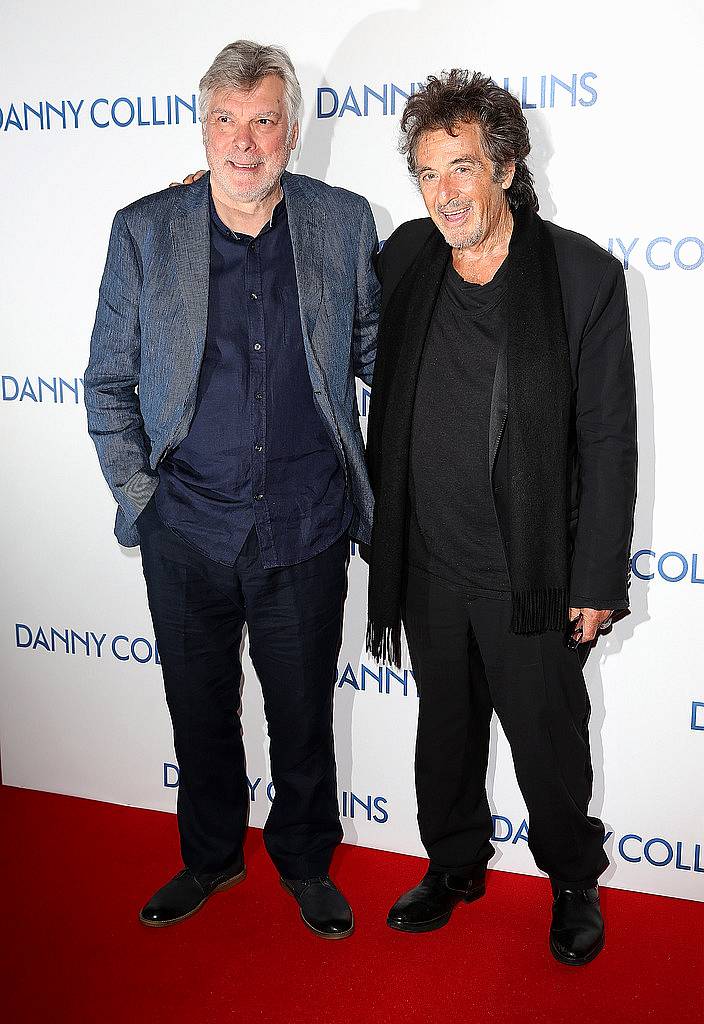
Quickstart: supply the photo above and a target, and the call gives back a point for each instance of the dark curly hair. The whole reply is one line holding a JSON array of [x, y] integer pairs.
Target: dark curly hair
[[457, 97]]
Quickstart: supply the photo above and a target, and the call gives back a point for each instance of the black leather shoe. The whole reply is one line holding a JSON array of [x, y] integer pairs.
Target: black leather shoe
[[577, 932], [184, 895], [323, 907], [429, 905]]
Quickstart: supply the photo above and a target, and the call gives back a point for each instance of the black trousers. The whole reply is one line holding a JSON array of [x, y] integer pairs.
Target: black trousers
[[294, 621], [468, 664]]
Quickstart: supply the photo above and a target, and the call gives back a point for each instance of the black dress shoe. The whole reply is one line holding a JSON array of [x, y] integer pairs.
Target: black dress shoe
[[429, 905], [184, 895], [323, 907], [577, 932]]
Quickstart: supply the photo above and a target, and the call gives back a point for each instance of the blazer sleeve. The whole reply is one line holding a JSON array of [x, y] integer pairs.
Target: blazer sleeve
[[366, 315], [607, 450], [110, 382]]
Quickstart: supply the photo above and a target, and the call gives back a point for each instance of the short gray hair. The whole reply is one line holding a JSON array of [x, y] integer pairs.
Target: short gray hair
[[242, 65]]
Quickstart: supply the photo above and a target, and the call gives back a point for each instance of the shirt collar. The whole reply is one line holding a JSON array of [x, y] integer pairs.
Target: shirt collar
[[277, 216]]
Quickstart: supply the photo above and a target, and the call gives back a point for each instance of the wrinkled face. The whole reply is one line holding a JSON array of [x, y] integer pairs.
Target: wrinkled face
[[456, 180], [248, 141]]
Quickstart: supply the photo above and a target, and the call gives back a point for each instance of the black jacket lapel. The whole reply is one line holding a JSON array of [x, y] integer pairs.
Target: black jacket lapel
[[405, 322]]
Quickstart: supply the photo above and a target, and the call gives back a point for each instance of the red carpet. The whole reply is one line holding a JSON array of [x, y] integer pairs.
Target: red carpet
[[75, 872]]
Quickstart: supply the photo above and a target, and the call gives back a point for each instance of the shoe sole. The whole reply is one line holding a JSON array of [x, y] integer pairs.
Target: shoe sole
[[229, 883], [316, 931], [327, 935], [437, 922], [578, 961]]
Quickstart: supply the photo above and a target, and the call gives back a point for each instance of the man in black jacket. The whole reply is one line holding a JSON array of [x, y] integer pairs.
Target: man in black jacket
[[502, 453]]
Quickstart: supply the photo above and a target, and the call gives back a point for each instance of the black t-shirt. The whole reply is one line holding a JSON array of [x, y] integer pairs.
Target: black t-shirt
[[453, 529]]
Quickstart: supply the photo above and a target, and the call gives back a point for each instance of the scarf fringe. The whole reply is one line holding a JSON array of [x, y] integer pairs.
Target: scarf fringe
[[539, 610], [384, 644]]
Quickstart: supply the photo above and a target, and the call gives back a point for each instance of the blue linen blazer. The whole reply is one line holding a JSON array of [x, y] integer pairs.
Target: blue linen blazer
[[149, 335]]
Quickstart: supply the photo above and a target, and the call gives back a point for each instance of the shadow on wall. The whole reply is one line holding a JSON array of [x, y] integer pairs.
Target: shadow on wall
[[366, 46], [540, 156], [315, 149], [624, 629], [352, 649]]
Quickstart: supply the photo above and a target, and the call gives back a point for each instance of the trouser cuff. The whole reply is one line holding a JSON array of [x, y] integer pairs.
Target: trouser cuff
[[466, 871], [590, 882], [294, 873], [207, 878]]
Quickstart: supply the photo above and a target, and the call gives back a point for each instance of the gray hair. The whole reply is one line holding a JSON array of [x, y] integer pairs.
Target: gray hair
[[457, 97], [242, 65]]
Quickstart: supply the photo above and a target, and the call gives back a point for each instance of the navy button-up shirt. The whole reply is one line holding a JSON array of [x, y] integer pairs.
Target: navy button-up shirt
[[258, 452]]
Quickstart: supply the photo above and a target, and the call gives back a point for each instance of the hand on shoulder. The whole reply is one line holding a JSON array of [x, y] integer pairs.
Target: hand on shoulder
[[190, 179]]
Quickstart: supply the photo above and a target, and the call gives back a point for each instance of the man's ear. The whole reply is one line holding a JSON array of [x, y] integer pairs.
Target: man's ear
[[293, 141], [509, 174]]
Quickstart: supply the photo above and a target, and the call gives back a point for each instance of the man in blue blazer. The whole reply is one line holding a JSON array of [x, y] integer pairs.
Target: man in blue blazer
[[233, 317]]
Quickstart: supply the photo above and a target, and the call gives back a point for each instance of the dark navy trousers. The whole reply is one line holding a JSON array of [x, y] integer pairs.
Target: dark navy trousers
[[294, 621]]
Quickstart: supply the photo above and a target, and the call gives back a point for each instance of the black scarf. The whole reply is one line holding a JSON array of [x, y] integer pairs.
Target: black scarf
[[538, 396]]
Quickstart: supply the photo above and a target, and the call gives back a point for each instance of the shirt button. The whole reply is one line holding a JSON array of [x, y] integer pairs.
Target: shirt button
[[259, 447], [257, 346], [258, 497], [252, 246], [253, 295], [259, 396]]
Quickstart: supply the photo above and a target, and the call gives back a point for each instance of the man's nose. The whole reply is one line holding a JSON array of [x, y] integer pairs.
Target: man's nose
[[243, 138], [446, 192]]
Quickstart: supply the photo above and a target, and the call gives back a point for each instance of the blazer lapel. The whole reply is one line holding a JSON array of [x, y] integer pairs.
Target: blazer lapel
[[499, 404], [190, 235], [306, 222]]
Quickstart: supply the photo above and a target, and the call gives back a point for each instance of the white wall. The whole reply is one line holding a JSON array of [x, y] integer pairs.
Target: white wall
[[616, 157]]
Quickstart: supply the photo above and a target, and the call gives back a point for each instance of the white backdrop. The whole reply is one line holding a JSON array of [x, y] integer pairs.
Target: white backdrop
[[611, 92]]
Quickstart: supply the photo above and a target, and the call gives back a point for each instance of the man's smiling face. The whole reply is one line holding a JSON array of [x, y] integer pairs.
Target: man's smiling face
[[248, 140], [457, 183]]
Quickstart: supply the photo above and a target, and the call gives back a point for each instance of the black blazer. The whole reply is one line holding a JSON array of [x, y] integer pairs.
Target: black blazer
[[602, 439]]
